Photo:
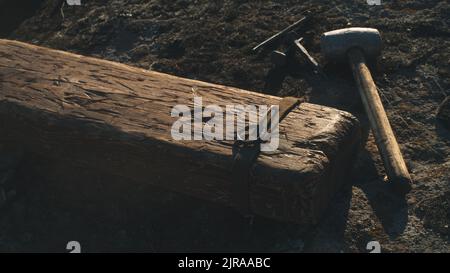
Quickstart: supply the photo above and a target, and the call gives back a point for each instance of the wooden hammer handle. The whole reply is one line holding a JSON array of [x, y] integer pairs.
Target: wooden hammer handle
[[394, 164]]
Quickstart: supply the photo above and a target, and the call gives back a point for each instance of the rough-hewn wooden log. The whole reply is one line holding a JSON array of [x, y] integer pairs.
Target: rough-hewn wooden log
[[116, 119]]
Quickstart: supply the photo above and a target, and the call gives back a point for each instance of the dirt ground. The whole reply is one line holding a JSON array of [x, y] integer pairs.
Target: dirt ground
[[212, 41]]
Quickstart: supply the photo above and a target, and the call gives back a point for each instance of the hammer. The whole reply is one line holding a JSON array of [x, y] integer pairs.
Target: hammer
[[353, 44]]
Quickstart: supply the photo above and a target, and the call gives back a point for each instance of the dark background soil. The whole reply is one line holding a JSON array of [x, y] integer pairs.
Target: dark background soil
[[212, 41]]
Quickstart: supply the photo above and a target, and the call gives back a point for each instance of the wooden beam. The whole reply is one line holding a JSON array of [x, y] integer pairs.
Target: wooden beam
[[113, 118]]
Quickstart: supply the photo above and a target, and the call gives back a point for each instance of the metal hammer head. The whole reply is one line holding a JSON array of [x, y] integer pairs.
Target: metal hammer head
[[335, 44]]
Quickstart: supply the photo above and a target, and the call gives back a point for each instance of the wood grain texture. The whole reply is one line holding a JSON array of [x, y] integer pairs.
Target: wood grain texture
[[387, 144], [115, 119]]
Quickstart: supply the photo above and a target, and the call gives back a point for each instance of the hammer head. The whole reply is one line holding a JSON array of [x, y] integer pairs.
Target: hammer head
[[335, 44]]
